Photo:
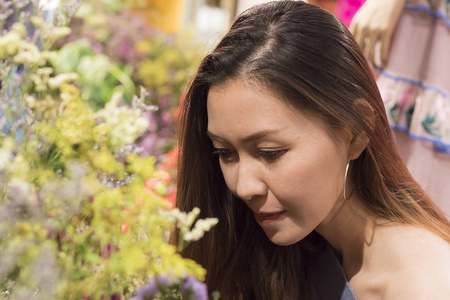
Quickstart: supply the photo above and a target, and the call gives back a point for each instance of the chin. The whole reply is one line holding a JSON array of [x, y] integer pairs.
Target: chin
[[284, 239]]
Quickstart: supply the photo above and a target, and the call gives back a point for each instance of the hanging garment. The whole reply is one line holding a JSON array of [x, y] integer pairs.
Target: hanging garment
[[415, 87]]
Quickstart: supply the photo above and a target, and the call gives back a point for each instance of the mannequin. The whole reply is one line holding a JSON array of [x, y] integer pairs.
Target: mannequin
[[374, 23], [407, 42]]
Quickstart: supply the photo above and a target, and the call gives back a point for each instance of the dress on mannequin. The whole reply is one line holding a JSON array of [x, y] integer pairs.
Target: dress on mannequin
[[415, 86]]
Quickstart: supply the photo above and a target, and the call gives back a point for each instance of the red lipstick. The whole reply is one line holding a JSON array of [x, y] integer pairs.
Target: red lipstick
[[265, 218]]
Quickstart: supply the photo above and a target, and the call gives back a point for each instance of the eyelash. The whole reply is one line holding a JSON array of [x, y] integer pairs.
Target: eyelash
[[271, 155], [268, 155], [222, 152]]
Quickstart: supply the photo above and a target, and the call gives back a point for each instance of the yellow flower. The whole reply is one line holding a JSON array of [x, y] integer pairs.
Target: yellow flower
[[9, 44], [5, 152], [105, 161], [144, 47], [153, 73], [143, 167], [20, 29], [60, 32]]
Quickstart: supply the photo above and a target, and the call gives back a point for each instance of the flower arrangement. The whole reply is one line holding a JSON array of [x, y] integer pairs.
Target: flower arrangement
[[113, 49], [83, 213]]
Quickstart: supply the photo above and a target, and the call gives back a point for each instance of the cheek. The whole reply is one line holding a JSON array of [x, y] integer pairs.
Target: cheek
[[229, 176], [312, 180]]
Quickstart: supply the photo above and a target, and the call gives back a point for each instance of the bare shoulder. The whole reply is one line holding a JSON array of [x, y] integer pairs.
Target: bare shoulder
[[420, 262], [415, 243]]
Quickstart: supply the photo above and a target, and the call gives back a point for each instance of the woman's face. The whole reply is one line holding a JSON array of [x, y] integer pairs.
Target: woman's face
[[281, 162]]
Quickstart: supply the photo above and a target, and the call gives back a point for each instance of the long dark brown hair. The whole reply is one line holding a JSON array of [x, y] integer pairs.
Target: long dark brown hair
[[309, 58]]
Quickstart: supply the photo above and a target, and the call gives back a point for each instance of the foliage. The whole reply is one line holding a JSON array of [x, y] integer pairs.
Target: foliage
[[80, 214]]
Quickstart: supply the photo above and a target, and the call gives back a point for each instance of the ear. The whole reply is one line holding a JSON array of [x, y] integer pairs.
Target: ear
[[357, 145], [359, 141]]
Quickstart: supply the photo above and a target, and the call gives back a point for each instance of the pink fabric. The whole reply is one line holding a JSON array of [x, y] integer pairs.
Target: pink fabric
[[430, 168], [410, 44], [437, 69], [346, 9], [415, 87]]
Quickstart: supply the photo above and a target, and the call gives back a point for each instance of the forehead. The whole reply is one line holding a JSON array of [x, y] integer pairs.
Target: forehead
[[244, 97], [244, 93], [240, 107]]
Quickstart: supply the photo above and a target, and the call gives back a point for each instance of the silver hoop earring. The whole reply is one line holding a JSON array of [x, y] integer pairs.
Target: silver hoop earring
[[345, 180]]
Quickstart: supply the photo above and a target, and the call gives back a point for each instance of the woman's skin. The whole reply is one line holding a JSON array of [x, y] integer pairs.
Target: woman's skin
[[288, 168]]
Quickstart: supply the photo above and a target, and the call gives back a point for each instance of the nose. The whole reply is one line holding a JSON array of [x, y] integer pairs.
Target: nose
[[249, 183]]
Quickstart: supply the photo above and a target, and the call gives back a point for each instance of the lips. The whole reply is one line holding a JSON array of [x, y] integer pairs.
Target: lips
[[265, 218]]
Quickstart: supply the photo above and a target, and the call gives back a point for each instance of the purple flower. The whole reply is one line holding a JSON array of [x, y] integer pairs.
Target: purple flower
[[191, 286], [147, 291], [152, 288], [165, 281], [164, 102], [166, 118], [148, 143], [125, 49]]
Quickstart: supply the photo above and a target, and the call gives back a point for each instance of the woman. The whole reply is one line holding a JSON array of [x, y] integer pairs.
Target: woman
[[284, 138]]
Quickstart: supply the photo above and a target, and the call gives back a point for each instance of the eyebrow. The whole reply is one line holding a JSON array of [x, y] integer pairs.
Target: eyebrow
[[250, 138]]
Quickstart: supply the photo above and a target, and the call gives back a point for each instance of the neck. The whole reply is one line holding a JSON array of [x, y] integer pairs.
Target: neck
[[349, 228]]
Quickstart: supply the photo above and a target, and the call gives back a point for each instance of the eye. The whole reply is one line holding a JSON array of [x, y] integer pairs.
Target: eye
[[271, 155], [224, 154]]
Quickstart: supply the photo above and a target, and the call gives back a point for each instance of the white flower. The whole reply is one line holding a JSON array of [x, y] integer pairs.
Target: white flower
[[48, 4], [30, 100], [56, 82], [5, 157], [126, 123], [206, 224], [41, 77], [201, 226], [194, 235], [185, 220], [28, 54], [21, 191], [192, 216]]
